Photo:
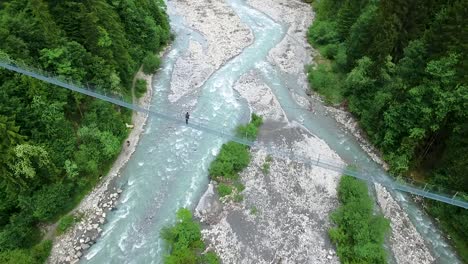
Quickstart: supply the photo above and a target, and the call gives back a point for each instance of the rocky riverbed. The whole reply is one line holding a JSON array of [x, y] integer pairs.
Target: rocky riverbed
[[284, 217]]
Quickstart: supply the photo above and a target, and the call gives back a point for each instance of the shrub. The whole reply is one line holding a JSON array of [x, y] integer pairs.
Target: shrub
[[253, 210], [184, 241], [238, 198], [140, 88], [322, 33], [266, 168], [151, 63], [224, 190], [48, 201], [250, 130], [358, 234], [41, 251], [210, 258], [239, 186], [232, 158], [66, 222], [325, 82]]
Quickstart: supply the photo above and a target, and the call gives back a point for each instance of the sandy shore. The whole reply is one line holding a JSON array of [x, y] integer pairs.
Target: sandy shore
[[69, 247]]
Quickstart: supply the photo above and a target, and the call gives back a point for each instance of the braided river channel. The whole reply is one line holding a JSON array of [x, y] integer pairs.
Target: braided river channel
[[169, 168]]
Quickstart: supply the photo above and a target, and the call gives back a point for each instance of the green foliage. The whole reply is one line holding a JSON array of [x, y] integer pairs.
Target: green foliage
[[140, 87], [36, 255], [224, 189], [266, 168], [210, 258], [400, 67], [184, 241], [323, 33], [359, 235], [66, 222], [151, 63], [238, 198], [232, 159], [41, 251], [54, 143], [253, 210], [325, 82], [250, 130]]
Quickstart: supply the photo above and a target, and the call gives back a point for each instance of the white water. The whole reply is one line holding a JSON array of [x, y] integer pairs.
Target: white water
[[169, 168]]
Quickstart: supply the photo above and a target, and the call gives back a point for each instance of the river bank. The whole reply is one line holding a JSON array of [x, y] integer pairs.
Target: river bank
[[69, 247], [239, 235]]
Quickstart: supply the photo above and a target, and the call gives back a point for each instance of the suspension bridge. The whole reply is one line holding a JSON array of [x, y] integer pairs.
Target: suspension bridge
[[423, 190]]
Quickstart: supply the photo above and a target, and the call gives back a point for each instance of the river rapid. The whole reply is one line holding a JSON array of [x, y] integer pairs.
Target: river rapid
[[169, 168]]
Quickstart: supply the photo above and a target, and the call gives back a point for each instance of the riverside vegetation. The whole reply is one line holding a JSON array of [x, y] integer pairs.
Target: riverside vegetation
[[232, 159], [400, 68], [55, 144], [184, 239], [359, 234]]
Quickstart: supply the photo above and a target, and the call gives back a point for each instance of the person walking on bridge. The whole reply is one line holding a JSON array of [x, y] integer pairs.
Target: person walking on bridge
[[187, 116]]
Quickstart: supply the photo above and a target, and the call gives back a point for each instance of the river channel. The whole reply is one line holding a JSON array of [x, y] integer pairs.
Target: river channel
[[169, 168]]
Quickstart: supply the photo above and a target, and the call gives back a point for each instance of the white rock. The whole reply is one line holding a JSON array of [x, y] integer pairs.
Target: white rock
[[84, 246]]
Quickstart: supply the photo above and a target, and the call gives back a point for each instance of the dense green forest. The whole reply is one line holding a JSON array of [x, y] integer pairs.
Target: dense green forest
[[401, 67], [55, 144]]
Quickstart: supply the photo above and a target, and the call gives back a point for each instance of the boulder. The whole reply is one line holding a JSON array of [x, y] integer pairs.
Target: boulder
[[84, 246]]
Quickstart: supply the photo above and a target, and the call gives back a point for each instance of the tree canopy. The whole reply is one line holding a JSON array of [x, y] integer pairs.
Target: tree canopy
[[54, 143], [401, 68]]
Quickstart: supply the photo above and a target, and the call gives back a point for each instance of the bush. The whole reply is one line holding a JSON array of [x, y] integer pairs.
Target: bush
[[184, 241], [253, 210], [48, 201], [322, 33], [250, 130], [210, 258], [66, 222], [232, 158], [238, 198], [151, 63], [266, 168], [41, 251], [224, 190], [358, 234], [140, 88], [19, 233], [329, 51], [325, 82]]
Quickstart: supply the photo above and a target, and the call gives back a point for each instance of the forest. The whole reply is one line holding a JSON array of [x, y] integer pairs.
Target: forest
[[401, 67], [55, 144]]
